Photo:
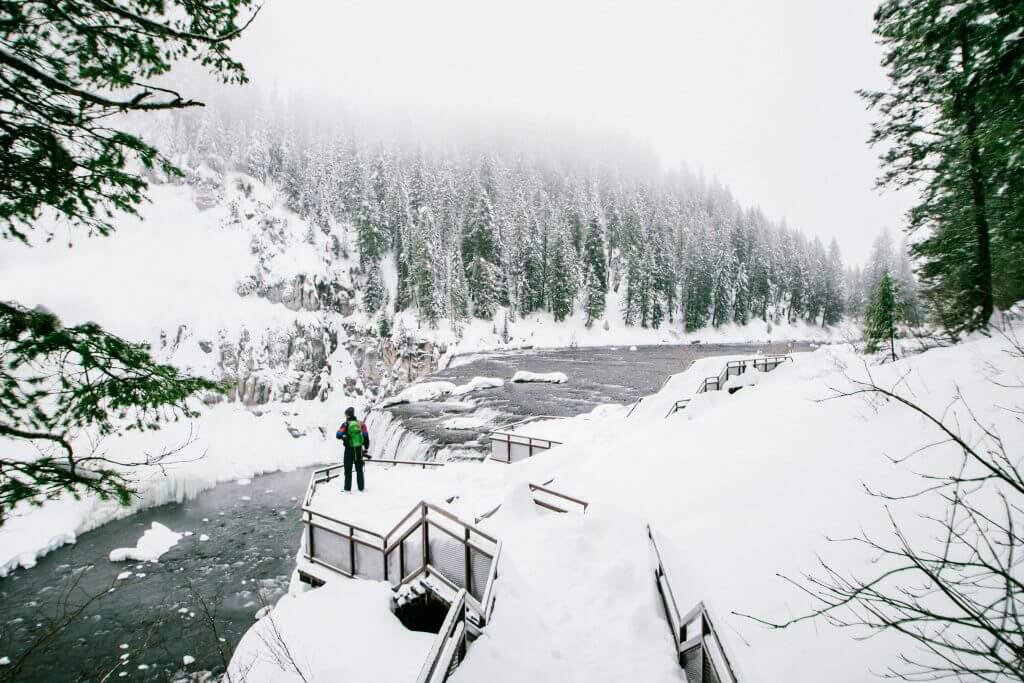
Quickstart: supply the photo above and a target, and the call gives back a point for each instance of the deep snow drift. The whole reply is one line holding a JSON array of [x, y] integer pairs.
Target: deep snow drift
[[740, 489]]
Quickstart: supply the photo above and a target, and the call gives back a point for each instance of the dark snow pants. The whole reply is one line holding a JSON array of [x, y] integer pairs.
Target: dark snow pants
[[353, 455]]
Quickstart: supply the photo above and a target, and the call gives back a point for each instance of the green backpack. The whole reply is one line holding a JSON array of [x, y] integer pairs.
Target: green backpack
[[355, 433]]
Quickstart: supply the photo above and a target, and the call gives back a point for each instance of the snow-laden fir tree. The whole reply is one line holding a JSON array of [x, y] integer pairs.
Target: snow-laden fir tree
[[880, 318], [595, 274], [479, 254]]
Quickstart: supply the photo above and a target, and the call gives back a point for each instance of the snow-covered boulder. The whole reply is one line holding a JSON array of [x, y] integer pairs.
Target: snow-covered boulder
[[463, 423], [425, 391], [476, 384]]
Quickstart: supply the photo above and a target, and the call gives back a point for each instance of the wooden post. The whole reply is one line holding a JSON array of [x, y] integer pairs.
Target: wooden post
[[309, 532], [351, 550], [469, 571], [426, 535]]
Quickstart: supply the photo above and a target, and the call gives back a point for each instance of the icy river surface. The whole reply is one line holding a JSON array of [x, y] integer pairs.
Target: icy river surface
[[196, 603], [596, 376]]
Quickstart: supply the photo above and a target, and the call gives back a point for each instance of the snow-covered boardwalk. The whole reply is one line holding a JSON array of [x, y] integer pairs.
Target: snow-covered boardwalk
[[578, 600], [737, 496]]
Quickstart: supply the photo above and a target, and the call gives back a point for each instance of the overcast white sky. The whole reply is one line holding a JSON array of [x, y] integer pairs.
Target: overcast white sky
[[758, 94]]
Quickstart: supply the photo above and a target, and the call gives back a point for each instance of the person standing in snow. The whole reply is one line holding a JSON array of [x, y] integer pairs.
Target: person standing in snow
[[354, 435]]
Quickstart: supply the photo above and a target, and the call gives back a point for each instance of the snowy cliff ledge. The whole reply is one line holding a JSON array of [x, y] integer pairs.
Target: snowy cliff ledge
[[741, 488]]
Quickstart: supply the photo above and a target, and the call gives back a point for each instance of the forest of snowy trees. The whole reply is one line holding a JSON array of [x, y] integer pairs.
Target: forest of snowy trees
[[471, 231]]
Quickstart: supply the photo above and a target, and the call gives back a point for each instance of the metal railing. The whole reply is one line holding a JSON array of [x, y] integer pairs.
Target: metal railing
[[732, 368], [546, 498], [428, 543], [434, 545], [325, 474], [509, 447], [424, 464], [701, 653], [449, 648]]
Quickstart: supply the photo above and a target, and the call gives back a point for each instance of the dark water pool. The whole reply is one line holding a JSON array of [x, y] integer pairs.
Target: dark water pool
[[197, 601]]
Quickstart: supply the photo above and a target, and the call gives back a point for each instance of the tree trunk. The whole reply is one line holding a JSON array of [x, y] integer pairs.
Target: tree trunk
[[983, 274]]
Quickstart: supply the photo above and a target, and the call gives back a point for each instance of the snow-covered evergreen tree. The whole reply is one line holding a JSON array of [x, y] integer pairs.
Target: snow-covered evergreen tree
[[595, 274]]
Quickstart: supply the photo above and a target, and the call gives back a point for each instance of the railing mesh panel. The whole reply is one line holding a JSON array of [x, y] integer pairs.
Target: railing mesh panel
[[448, 556], [698, 666], [480, 569], [693, 664], [369, 562], [413, 549], [520, 451], [331, 548], [499, 449]]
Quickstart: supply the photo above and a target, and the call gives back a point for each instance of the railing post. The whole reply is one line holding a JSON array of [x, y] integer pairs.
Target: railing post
[[309, 533], [352, 549], [426, 535], [469, 571]]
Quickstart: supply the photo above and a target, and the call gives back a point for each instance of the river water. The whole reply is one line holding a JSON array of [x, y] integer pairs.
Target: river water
[[596, 376], [201, 596], [197, 594]]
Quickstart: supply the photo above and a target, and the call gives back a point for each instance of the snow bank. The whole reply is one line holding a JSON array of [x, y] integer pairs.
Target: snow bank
[[476, 384], [424, 391], [156, 541], [575, 602], [344, 631], [552, 377]]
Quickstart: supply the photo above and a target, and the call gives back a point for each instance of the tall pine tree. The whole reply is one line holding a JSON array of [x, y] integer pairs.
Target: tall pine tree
[[595, 274]]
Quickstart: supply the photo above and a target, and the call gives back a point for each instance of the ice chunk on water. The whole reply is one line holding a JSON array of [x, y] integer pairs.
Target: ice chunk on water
[[157, 540]]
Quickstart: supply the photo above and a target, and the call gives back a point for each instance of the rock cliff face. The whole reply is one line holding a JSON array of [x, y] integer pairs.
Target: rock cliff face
[[315, 344]]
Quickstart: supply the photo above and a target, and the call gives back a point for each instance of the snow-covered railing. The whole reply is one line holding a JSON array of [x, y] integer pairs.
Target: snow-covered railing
[[428, 543], [434, 545], [701, 653], [449, 648], [325, 474], [732, 368], [509, 447], [546, 498], [424, 464]]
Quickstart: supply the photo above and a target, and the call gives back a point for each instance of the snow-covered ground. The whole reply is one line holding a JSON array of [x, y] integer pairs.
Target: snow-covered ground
[[342, 632], [741, 488]]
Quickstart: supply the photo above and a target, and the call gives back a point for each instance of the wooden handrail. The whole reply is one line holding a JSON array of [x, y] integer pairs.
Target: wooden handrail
[[529, 439], [442, 652], [538, 487], [417, 463], [679, 624], [720, 380]]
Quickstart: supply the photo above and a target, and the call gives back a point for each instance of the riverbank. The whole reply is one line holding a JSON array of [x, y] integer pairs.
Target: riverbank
[[226, 443], [143, 619]]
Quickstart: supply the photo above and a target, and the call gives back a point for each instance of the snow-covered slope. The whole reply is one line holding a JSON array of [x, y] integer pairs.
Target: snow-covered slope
[[740, 488], [224, 283]]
